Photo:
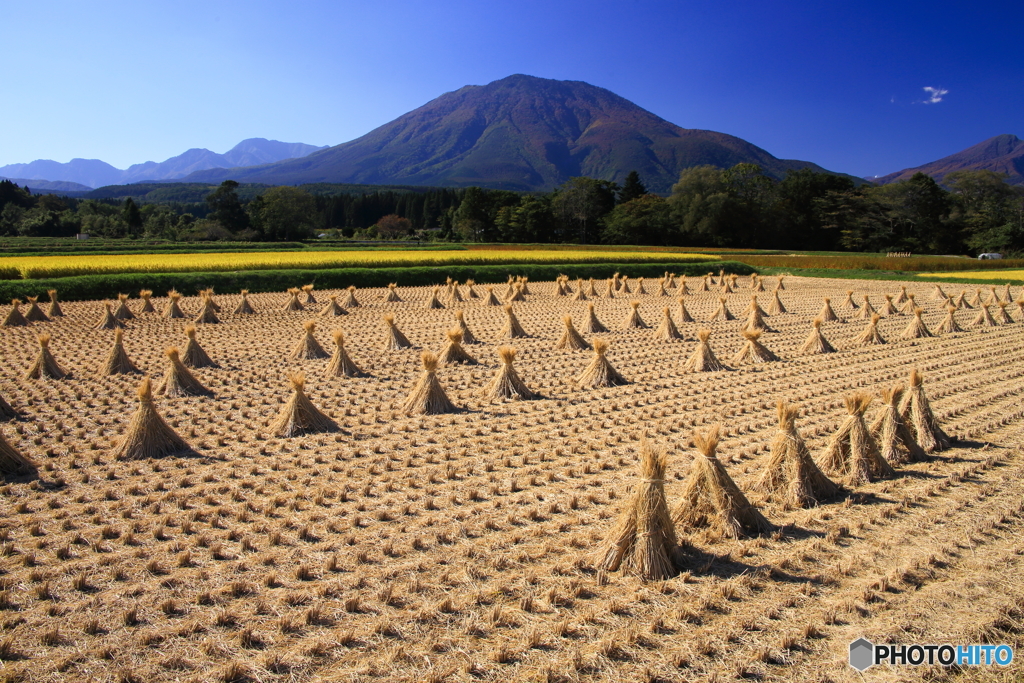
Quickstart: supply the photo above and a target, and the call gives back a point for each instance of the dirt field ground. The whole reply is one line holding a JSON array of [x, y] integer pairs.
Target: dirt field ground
[[462, 546]]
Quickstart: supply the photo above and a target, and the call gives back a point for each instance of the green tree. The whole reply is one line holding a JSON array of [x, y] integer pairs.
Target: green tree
[[644, 220], [916, 213], [226, 208], [991, 211], [581, 203], [531, 220], [285, 213], [393, 226], [703, 208], [132, 216], [632, 188]]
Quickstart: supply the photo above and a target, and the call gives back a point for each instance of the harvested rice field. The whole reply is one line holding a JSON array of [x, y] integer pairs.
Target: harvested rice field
[[380, 544]]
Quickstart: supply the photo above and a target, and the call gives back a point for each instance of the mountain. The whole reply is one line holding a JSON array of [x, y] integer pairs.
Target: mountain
[[96, 173], [1002, 154], [519, 133], [38, 186]]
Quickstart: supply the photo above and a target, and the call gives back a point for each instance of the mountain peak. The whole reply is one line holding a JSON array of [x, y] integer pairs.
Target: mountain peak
[[520, 132], [1001, 154]]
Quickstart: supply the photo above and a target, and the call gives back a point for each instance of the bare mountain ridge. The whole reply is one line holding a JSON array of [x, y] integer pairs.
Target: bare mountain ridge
[[1002, 154], [519, 133], [95, 173]]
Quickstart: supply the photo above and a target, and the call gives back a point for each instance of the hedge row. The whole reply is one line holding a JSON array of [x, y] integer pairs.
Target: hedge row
[[87, 287]]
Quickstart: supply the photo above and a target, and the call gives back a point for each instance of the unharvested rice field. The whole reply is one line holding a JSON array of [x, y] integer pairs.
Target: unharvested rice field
[[1011, 275], [27, 267], [467, 546]]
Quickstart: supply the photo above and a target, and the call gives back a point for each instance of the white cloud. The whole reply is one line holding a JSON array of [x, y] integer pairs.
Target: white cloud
[[935, 95]]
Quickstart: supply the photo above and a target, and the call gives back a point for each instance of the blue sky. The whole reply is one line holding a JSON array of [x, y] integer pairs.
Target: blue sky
[[840, 84]]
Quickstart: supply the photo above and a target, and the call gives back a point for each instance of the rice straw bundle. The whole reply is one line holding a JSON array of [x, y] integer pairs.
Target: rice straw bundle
[[703, 358], [207, 314], [118, 362], [703, 286], [816, 342], [391, 295], [624, 286], [308, 348], [683, 289], [993, 298], [341, 364], [454, 295], [791, 476], [491, 299], [976, 299], [609, 292], [12, 462], [753, 350], [870, 336], [507, 384], [433, 301], [758, 285], [916, 329], [911, 304], [571, 339], [45, 365], [827, 315], [949, 323], [195, 356], [108, 321], [15, 318], [1007, 296], [1003, 318], [661, 289], [54, 310], [147, 305], [591, 324], [332, 309], [867, 310], [244, 307], [725, 288], [172, 310], [640, 286], [592, 291], [776, 307], [580, 294], [779, 284], [453, 352], [178, 381], [917, 414], [308, 291], [299, 416], [938, 294], [559, 289], [667, 330], [643, 540], [710, 498], [984, 318], [895, 440], [393, 338], [123, 312], [525, 284], [512, 328], [460, 322], [350, 298], [510, 287], [208, 294], [961, 301], [755, 321], [427, 396], [723, 312], [849, 303], [600, 373], [901, 298], [633, 321], [684, 315], [890, 308], [852, 452], [470, 290], [35, 314], [6, 411], [147, 435], [293, 301]]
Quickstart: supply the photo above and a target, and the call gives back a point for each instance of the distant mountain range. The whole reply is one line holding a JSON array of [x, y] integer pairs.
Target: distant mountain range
[[94, 173], [1002, 154], [518, 133], [37, 185]]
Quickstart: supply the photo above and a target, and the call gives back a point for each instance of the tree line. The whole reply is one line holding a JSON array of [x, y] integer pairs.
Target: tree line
[[739, 207]]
